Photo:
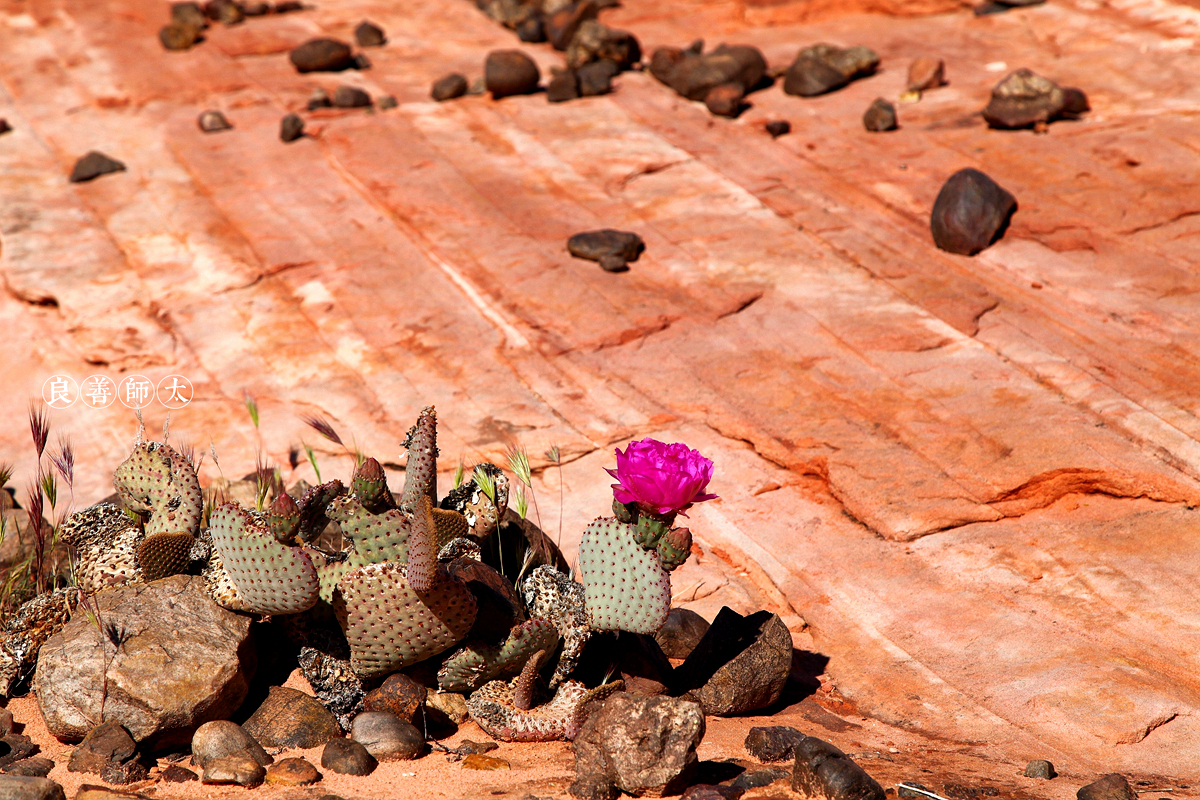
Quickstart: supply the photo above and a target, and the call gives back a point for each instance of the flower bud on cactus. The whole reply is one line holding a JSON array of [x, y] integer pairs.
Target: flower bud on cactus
[[625, 512], [370, 486], [651, 527], [284, 519], [674, 548]]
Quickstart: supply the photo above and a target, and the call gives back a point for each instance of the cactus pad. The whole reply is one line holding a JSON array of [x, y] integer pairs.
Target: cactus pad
[[313, 507], [422, 551], [450, 525], [369, 485], [376, 537], [389, 626], [158, 481], [477, 663], [106, 540], [494, 708], [420, 472], [269, 578], [164, 554], [283, 518], [626, 586], [551, 595], [674, 548]]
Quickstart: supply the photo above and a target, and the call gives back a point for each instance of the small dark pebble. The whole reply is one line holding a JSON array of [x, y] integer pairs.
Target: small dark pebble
[[319, 99], [93, 165], [257, 9], [563, 86], [322, 55], [361, 61], [725, 100], [606, 243], [4, 126], [596, 78], [188, 13], [970, 213], [759, 778], [532, 30], [1113, 786], [330, 797], [510, 72], [469, 748], [448, 88], [33, 767], [347, 757], [350, 97], [291, 128], [1040, 768], [178, 37], [779, 127], [213, 121], [880, 117], [386, 102], [708, 791], [288, 5], [228, 12], [368, 34], [774, 743], [177, 774]]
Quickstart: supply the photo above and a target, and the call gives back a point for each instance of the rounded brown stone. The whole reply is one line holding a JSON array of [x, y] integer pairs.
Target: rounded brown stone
[[289, 718], [293, 772]]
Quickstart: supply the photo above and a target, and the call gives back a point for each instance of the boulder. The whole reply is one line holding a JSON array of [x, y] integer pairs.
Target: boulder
[[184, 661], [637, 745], [742, 663]]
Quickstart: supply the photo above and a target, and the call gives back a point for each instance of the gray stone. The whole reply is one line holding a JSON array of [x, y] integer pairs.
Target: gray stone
[[510, 72], [93, 165], [347, 757], [823, 771], [1113, 786], [222, 738], [448, 88], [387, 737], [638, 745], [322, 55], [185, 661], [237, 769], [970, 212], [20, 787], [880, 116], [368, 34], [680, 634], [1040, 768], [774, 743], [291, 128]]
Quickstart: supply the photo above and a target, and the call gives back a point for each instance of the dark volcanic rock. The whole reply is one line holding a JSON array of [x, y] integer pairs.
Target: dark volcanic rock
[[563, 86], [213, 121], [127, 772], [880, 117], [448, 88], [399, 695], [595, 41], [595, 78], [637, 745], [291, 128], [606, 243], [108, 742], [347, 757], [1040, 768], [822, 68], [510, 72], [288, 5], [4, 126], [368, 34], [682, 631], [641, 664], [756, 779], [562, 25], [777, 128], [16, 747], [179, 37], [322, 55], [387, 737], [726, 100], [742, 663], [350, 97], [1111, 787], [1024, 99], [970, 213], [222, 738], [774, 743], [694, 76], [290, 718], [823, 771], [185, 661]]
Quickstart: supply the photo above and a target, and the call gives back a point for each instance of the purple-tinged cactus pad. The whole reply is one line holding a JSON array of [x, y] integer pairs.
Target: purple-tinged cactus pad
[[494, 708], [477, 663], [626, 586], [158, 481], [420, 473], [390, 626], [422, 552], [164, 554], [270, 578]]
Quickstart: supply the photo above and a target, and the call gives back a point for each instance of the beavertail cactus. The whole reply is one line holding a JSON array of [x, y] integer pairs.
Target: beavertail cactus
[[420, 473], [369, 485], [627, 588], [549, 594], [158, 481], [477, 663], [251, 571], [494, 707]]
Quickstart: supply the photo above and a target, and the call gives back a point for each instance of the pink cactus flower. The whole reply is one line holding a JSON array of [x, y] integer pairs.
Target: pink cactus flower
[[661, 478]]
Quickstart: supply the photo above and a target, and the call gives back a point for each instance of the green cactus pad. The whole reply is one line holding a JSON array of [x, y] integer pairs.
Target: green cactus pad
[[477, 663], [649, 528], [420, 473], [390, 626], [369, 485], [164, 554], [270, 578], [158, 481], [284, 519], [376, 537], [674, 548], [626, 587]]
